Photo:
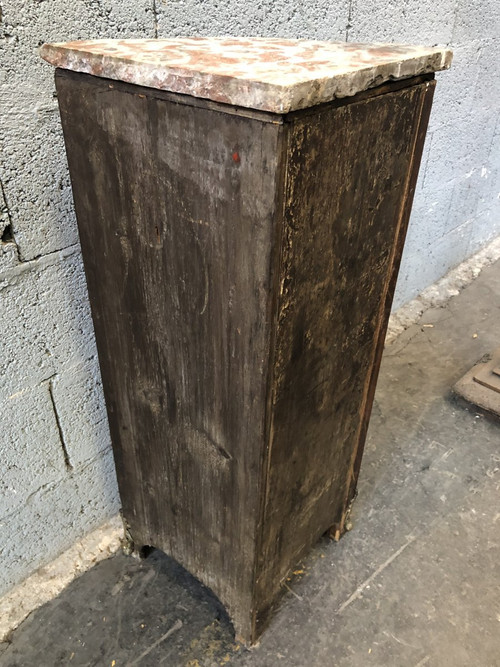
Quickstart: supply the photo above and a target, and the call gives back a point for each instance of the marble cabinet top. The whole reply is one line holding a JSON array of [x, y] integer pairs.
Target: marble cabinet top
[[276, 75]]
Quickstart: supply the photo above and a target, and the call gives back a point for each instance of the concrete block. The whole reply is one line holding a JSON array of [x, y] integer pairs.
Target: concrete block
[[485, 228], [45, 322], [413, 21], [54, 517], [486, 91], [430, 214], [28, 24], [36, 184], [465, 199], [30, 447], [489, 200], [455, 91], [450, 250], [314, 19], [458, 147], [489, 195], [77, 392], [33, 161], [475, 20], [423, 264]]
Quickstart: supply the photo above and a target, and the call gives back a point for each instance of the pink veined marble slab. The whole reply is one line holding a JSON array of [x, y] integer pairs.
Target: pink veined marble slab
[[277, 75]]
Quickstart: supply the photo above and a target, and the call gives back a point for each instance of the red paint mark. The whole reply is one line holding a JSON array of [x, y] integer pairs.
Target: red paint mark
[[236, 157]]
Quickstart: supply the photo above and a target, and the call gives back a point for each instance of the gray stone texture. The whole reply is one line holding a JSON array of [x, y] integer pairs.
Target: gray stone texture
[[57, 475]]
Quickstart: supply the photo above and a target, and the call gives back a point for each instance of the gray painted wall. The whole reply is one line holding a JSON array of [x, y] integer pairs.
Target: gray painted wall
[[57, 478]]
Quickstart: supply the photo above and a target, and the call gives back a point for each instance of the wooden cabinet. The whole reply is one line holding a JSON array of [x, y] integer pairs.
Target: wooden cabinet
[[241, 265]]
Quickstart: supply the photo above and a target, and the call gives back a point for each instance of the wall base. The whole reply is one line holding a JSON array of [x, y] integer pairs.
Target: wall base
[[47, 582]]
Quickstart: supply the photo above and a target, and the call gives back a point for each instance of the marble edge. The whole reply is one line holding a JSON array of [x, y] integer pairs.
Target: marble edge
[[248, 92], [182, 81], [354, 82]]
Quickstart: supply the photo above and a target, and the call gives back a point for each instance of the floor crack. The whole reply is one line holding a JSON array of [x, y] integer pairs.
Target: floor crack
[[359, 590]]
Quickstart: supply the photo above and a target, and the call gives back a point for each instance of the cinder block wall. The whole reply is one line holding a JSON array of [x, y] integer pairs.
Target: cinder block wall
[[57, 480]]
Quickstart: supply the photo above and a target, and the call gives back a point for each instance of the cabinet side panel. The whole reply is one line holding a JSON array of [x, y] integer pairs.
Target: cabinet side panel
[[346, 209], [176, 208]]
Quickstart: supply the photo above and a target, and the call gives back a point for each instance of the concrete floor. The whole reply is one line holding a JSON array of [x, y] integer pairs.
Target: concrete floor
[[416, 582]]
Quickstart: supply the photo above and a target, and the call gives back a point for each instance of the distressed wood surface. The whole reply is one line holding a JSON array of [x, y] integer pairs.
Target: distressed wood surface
[[176, 210], [240, 267], [349, 173]]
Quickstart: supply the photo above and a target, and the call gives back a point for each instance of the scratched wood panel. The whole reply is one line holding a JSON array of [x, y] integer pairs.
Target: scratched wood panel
[[176, 208], [351, 175]]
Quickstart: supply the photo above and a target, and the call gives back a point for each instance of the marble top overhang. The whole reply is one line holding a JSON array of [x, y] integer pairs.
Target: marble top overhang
[[276, 75]]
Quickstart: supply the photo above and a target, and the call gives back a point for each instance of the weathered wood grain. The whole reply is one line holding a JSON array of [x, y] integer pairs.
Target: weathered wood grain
[[176, 208], [240, 267], [348, 175]]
